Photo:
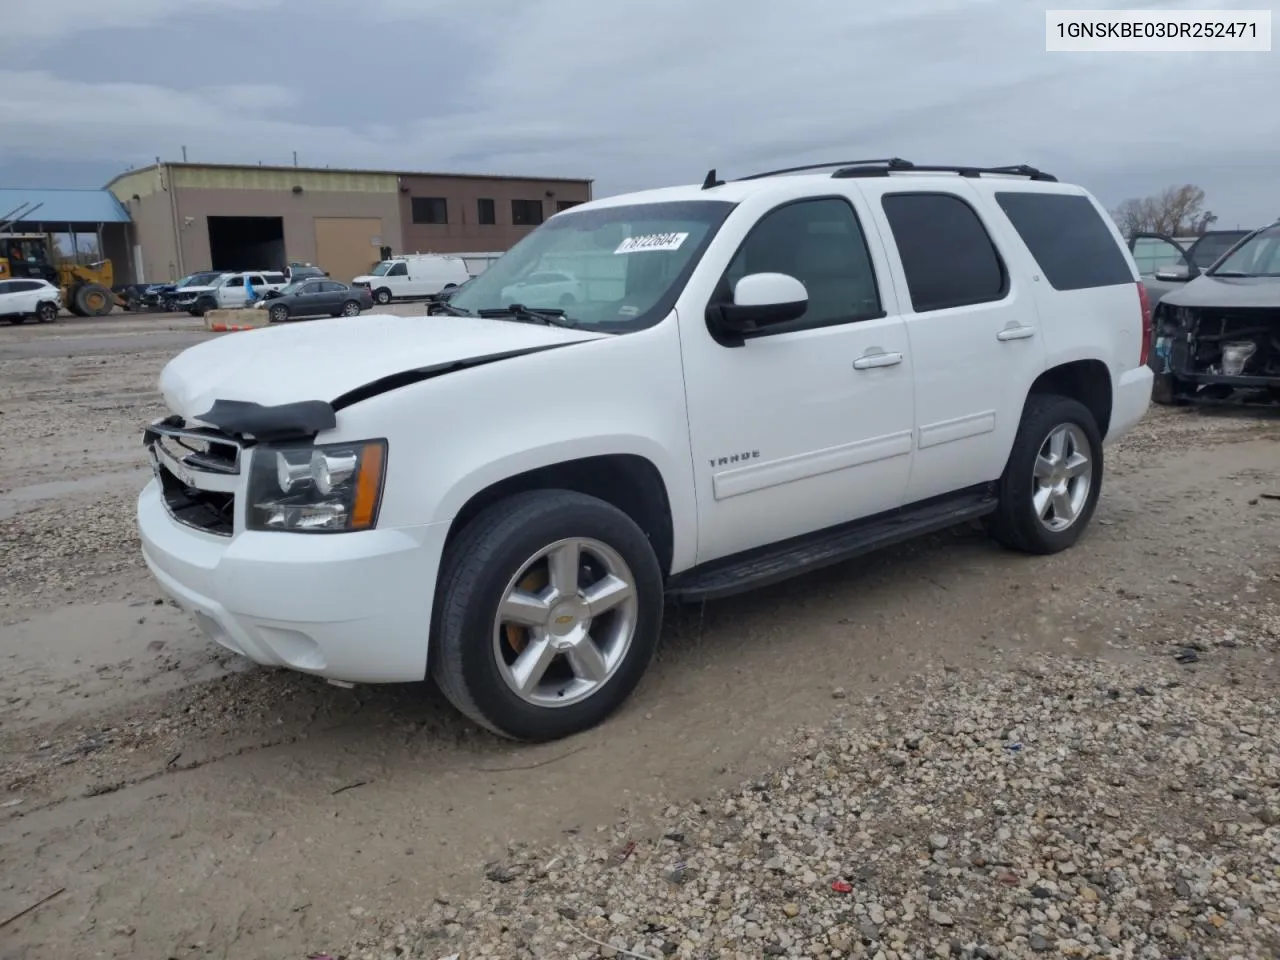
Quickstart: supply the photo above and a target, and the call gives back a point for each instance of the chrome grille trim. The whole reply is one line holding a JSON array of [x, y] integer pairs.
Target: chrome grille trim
[[198, 469]]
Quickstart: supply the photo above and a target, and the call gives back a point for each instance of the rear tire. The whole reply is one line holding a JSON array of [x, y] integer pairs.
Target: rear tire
[[593, 657], [93, 299], [72, 298], [1052, 481], [351, 309]]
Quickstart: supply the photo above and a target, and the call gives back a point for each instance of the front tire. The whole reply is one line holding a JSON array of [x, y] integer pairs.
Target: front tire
[[278, 314], [1166, 391], [382, 296], [548, 611], [1052, 481], [47, 312]]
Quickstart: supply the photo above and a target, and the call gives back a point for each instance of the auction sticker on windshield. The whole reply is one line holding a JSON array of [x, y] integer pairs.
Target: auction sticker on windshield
[[652, 241]]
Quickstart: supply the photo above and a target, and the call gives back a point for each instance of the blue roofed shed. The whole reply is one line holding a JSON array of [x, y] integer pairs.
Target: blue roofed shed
[[61, 207], [87, 224]]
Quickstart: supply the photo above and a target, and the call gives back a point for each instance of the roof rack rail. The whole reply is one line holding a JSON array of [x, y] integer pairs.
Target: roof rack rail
[[712, 181], [882, 168]]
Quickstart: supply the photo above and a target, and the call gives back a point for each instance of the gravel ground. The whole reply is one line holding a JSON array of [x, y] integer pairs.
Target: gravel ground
[[1071, 808], [1003, 719]]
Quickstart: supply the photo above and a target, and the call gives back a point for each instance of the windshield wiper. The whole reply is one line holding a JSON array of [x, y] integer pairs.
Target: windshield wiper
[[448, 308], [518, 311]]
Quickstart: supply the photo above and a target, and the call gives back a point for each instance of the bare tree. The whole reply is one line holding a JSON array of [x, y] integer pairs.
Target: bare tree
[[1178, 211]]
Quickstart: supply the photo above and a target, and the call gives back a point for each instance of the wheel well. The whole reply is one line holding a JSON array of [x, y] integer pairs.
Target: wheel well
[[1088, 381], [630, 483]]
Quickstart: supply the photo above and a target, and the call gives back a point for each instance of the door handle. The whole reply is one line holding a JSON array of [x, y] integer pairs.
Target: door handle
[[1016, 332], [869, 360]]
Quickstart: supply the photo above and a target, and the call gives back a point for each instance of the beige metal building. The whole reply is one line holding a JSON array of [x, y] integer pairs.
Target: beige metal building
[[190, 216]]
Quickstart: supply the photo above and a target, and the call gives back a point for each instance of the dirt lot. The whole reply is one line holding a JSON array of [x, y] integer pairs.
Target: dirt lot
[[180, 803]]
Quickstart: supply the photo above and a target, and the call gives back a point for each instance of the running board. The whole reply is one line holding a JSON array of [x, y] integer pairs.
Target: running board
[[781, 561]]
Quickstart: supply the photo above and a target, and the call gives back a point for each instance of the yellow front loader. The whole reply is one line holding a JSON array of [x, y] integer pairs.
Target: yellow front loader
[[86, 289]]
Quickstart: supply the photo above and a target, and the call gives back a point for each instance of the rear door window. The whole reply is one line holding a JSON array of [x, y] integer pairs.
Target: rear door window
[[947, 255], [1068, 238]]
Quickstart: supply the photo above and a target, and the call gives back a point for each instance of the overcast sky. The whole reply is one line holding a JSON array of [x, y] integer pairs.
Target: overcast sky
[[633, 93]]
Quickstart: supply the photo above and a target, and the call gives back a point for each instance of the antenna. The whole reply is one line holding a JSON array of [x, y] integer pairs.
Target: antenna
[[184, 154]]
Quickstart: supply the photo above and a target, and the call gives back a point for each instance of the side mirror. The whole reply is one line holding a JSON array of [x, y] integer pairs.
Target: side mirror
[[762, 300], [1179, 273]]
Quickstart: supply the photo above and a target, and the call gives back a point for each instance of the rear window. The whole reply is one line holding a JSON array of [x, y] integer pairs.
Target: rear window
[[1068, 239]]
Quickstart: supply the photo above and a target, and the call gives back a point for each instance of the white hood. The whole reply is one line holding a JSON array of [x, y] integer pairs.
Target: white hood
[[323, 359]]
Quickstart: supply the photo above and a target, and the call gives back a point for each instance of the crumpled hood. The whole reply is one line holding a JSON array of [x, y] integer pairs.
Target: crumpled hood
[[1227, 292], [324, 359]]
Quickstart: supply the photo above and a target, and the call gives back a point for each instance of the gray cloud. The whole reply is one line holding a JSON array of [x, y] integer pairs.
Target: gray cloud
[[634, 94]]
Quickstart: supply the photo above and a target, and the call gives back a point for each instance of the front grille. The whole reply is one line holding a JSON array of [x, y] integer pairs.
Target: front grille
[[198, 469]]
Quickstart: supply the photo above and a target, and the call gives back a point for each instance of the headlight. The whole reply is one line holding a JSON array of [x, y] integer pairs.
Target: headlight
[[325, 488]]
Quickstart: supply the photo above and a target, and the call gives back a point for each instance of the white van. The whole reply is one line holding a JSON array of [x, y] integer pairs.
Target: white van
[[419, 275]]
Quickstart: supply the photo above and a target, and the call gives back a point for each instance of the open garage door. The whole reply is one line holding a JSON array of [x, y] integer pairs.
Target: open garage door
[[246, 243], [347, 246]]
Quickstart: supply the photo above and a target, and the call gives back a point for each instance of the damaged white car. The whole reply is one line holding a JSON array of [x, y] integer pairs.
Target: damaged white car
[[754, 379]]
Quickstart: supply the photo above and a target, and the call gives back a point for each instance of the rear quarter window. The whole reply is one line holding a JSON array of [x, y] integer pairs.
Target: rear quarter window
[[1068, 239]]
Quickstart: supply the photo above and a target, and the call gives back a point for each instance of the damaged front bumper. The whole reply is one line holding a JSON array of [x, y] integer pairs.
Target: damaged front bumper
[[1218, 354], [352, 607]]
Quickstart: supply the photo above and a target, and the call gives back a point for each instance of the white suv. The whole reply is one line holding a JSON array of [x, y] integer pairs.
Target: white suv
[[228, 291], [24, 298], [762, 377]]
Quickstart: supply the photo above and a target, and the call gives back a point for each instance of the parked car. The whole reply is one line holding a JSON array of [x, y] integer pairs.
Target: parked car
[[789, 371], [316, 298], [31, 297], [1218, 333], [173, 297], [303, 271], [1165, 262], [227, 291], [409, 277], [545, 286]]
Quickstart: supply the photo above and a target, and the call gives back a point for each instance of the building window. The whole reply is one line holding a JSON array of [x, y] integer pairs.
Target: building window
[[430, 210], [566, 204], [526, 213], [486, 212]]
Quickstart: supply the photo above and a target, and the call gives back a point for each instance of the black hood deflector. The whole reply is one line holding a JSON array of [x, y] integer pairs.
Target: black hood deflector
[[286, 421], [304, 419]]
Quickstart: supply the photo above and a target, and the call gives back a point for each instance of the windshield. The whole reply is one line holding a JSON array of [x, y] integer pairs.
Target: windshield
[[618, 268], [382, 269], [1259, 256]]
